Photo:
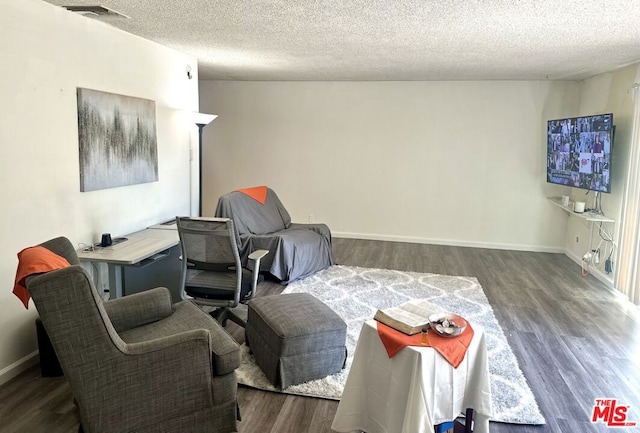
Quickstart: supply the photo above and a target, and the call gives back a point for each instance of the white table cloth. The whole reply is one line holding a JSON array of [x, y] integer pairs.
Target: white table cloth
[[414, 390]]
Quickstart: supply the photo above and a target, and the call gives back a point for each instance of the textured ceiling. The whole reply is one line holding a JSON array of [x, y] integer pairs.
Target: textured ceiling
[[387, 39]]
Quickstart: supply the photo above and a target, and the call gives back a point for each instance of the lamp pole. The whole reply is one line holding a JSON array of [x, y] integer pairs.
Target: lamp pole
[[200, 128], [201, 120]]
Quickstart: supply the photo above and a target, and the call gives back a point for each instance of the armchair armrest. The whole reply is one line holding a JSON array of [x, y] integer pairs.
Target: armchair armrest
[[139, 309], [320, 228], [224, 349], [159, 344], [146, 383]]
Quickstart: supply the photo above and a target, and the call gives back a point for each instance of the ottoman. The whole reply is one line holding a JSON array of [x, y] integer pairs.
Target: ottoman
[[295, 338]]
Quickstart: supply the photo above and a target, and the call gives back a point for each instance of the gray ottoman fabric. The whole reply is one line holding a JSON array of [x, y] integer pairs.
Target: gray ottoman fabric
[[295, 338]]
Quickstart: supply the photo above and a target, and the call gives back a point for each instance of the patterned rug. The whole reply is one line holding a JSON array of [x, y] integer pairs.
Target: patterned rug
[[357, 293]]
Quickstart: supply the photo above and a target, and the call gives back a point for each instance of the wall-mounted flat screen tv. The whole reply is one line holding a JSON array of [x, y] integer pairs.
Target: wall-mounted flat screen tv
[[579, 152]]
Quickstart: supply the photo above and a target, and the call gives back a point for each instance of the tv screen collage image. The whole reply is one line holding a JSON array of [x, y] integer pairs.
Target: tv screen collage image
[[579, 152]]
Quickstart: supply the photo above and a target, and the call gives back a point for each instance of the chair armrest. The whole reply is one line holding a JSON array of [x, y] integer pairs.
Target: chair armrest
[[320, 228], [139, 309], [225, 350], [256, 256], [159, 344]]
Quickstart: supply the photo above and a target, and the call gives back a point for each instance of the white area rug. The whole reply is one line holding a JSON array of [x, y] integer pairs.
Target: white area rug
[[356, 293]]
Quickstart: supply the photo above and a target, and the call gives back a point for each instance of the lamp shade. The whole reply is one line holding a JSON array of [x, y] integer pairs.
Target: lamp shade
[[203, 118]]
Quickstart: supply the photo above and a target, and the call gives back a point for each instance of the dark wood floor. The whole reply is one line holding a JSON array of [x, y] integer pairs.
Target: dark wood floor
[[574, 339]]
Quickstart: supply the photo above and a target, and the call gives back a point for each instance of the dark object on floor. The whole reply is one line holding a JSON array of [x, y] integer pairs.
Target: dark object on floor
[[49, 364], [466, 426]]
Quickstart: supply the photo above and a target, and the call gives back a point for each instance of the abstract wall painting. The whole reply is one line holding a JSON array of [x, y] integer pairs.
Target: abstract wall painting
[[117, 140]]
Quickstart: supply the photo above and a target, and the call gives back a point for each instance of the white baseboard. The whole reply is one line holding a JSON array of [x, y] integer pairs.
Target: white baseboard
[[597, 273], [11, 371], [449, 242]]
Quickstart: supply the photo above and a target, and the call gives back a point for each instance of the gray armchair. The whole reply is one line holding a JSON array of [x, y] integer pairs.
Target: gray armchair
[[295, 250], [138, 363]]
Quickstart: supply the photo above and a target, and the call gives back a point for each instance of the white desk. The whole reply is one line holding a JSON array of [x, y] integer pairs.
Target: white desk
[[168, 225], [414, 390], [140, 249]]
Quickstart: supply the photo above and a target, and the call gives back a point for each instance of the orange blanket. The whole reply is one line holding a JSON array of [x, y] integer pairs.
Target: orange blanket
[[452, 349], [258, 193], [34, 260]]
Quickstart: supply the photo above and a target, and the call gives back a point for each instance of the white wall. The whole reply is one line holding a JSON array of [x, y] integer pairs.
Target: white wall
[[458, 163], [605, 93], [45, 54]]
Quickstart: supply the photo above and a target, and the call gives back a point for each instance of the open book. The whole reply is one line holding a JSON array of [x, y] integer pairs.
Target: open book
[[410, 317]]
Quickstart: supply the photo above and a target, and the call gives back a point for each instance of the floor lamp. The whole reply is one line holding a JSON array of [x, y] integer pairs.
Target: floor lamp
[[201, 120]]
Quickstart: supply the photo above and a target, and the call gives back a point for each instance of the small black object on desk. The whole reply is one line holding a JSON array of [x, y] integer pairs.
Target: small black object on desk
[[106, 240]]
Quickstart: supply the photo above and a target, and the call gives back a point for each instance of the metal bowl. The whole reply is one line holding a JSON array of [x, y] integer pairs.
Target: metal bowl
[[447, 325]]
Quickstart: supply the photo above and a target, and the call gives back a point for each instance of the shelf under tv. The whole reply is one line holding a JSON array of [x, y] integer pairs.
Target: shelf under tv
[[589, 216]]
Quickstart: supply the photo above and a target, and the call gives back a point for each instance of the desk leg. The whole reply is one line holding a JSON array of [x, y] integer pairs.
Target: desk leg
[[116, 281]]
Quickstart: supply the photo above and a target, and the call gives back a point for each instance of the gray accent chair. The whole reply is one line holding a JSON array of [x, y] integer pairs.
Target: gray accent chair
[[137, 363], [295, 250], [212, 273]]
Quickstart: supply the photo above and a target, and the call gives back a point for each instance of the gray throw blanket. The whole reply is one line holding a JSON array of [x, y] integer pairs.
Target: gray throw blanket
[[295, 250]]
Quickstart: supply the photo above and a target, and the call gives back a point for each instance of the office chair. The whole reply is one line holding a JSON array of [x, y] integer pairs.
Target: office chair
[[212, 274]]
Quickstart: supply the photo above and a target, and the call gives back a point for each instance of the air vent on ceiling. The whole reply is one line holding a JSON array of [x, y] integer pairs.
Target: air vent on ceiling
[[96, 11]]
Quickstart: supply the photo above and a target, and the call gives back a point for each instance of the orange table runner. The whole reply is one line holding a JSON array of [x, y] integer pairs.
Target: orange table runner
[[453, 349]]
